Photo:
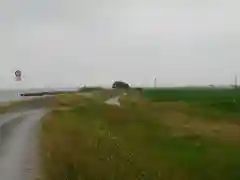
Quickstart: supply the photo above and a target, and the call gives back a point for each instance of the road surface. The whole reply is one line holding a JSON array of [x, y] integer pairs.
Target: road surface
[[18, 140], [18, 146]]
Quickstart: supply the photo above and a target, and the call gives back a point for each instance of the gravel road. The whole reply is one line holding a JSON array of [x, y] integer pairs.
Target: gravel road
[[18, 148]]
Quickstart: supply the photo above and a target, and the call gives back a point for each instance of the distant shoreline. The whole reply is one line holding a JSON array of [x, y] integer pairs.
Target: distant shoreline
[[46, 93]]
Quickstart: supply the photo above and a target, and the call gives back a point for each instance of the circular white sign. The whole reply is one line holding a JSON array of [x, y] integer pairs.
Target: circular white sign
[[18, 73]]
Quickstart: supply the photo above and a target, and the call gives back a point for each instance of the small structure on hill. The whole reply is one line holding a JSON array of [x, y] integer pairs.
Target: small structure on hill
[[120, 85]]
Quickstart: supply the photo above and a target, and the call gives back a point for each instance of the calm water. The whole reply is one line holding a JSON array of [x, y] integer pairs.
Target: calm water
[[11, 95], [14, 95]]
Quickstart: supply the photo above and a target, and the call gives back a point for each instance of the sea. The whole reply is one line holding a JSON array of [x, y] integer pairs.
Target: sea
[[10, 95], [15, 95]]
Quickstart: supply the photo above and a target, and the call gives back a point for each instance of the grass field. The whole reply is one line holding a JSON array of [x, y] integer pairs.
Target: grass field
[[222, 99], [162, 135]]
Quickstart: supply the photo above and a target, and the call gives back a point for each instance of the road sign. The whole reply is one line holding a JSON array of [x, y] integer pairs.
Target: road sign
[[18, 75]]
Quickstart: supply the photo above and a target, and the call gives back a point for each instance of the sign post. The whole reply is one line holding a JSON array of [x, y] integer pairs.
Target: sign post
[[18, 75]]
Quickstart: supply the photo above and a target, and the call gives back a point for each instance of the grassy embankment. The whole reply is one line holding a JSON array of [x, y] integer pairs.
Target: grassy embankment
[[176, 135]]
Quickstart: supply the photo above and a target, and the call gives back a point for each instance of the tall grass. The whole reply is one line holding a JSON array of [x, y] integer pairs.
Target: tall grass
[[89, 140]]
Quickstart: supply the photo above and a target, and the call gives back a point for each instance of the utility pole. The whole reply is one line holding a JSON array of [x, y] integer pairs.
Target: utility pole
[[155, 82], [236, 81]]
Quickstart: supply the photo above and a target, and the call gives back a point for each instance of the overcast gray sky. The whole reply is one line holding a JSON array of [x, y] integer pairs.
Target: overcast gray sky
[[72, 42]]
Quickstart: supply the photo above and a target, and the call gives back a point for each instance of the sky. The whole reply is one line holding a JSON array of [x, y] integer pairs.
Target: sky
[[67, 43]]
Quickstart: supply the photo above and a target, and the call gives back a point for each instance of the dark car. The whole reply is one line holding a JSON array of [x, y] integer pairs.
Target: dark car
[[120, 85]]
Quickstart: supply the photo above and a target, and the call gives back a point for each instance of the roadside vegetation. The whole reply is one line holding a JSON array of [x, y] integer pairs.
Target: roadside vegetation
[[161, 134]]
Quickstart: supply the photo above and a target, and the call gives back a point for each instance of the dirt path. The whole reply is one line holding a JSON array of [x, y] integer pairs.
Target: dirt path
[[18, 150]]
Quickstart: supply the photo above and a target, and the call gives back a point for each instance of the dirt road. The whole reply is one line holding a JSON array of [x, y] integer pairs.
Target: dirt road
[[18, 148]]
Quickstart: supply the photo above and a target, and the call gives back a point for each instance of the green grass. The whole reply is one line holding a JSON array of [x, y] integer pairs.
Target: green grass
[[86, 139], [221, 99]]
